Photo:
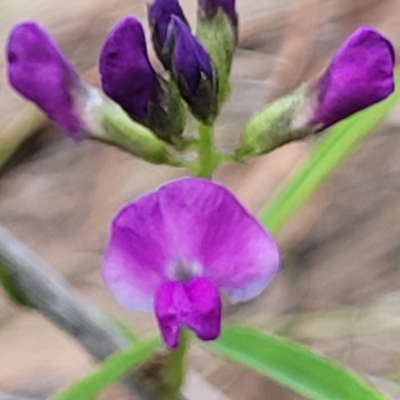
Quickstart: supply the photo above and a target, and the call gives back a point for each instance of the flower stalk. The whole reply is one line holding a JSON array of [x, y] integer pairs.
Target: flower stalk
[[175, 371], [208, 160], [119, 130]]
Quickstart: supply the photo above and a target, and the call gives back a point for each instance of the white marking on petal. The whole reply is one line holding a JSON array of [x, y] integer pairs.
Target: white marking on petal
[[179, 270]]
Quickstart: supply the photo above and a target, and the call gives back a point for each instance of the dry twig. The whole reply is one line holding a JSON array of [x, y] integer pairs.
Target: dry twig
[[51, 295]]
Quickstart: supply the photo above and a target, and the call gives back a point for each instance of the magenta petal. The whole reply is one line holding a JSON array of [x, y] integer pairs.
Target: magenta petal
[[217, 238], [167, 311], [138, 253], [195, 304], [360, 74], [39, 71], [204, 316]]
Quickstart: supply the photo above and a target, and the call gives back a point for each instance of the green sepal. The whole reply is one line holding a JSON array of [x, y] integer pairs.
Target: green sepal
[[219, 38], [167, 119], [203, 104], [107, 122], [283, 121]]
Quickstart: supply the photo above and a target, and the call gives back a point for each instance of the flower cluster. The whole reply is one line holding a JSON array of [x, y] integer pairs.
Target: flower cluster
[[179, 249], [39, 71]]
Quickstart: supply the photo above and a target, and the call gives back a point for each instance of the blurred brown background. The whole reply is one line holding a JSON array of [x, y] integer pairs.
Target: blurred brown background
[[339, 288]]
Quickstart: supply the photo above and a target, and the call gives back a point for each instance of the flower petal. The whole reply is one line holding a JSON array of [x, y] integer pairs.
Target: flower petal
[[138, 253], [204, 315], [39, 71], [126, 73], [360, 74], [167, 312], [217, 238], [194, 303]]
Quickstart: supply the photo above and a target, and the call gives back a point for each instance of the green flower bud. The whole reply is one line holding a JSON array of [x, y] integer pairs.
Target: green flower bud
[[107, 122], [218, 34], [278, 123]]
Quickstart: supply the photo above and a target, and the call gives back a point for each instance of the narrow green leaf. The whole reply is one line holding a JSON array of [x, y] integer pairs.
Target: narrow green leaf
[[111, 370], [12, 290], [123, 328], [292, 366], [327, 154]]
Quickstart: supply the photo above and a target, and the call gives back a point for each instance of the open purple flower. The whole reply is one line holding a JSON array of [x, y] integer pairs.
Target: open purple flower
[[126, 73], [360, 74], [159, 15], [209, 8], [177, 248], [38, 71]]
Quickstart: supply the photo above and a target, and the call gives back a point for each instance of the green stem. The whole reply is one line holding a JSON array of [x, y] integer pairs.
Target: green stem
[[207, 158], [207, 162], [175, 371]]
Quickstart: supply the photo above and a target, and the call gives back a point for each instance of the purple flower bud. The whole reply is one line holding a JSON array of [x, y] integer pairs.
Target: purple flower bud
[[209, 9], [176, 249], [38, 71], [126, 73], [159, 15], [192, 69], [360, 74], [190, 60]]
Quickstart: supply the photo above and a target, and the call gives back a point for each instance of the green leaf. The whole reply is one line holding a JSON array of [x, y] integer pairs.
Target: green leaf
[[217, 35], [292, 366], [111, 370], [327, 154], [123, 328], [12, 290]]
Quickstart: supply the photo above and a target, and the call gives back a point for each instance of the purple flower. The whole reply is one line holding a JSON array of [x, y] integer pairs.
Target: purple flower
[[210, 8], [178, 248], [126, 73], [159, 15], [39, 72], [360, 74]]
